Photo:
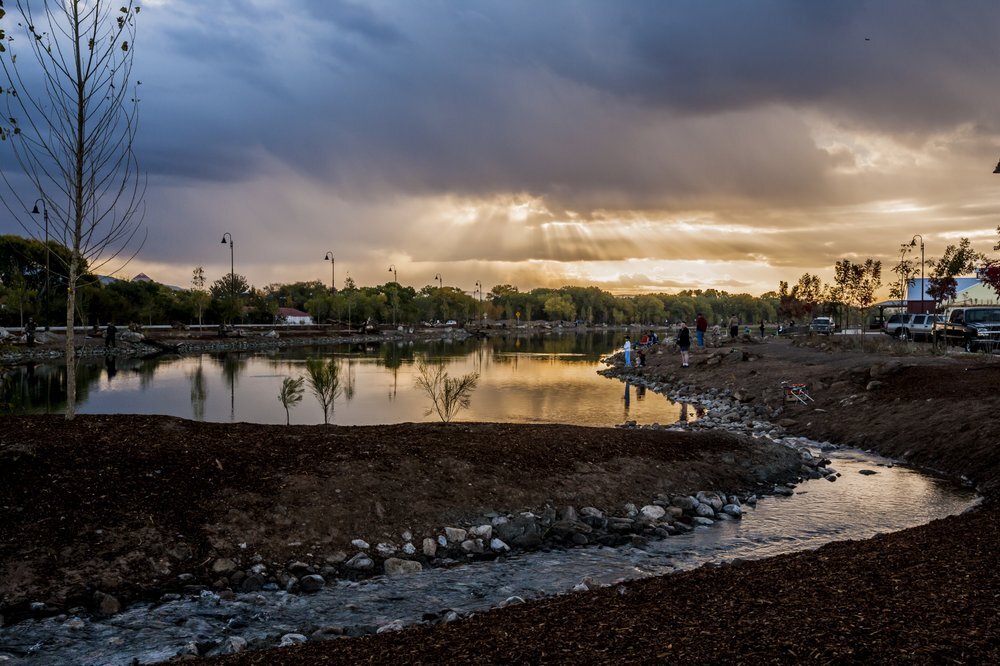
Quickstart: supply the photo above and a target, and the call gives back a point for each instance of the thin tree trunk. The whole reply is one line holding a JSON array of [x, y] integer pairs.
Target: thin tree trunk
[[70, 346]]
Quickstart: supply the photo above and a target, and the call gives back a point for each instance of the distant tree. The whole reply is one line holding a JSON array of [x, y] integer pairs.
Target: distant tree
[[71, 124], [957, 260], [906, 270], [559, 307], [858, 284], [447, 395], [228, 290], [199, 296], [290, 395], [989, 272]]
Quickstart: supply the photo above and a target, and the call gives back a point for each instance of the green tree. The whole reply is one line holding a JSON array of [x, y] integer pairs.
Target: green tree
[[957, 260], [199, 297], [71, 125], [290, 395], [324, 381]]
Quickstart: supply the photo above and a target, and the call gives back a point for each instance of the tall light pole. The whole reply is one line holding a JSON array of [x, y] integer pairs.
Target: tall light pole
[[479, 288], [440, 281], [333, 276], [232, 268], [395, 280], [45, 216], [923, 287]]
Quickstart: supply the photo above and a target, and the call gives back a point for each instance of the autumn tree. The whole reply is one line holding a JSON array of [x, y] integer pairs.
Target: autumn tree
[[957, 260], [989, 272], [70, 121], [858, 284]]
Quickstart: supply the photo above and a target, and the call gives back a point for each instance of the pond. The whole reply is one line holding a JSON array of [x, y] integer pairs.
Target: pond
[[522, 379]]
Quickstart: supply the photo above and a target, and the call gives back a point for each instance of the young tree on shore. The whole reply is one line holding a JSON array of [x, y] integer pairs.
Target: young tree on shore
[[71, 123], [448, 395], [290, 395], [324, 382]]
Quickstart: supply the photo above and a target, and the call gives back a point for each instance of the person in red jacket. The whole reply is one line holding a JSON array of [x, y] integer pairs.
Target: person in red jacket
[[700, 328]]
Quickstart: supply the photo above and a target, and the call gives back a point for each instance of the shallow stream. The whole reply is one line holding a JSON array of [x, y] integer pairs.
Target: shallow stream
[[856, 506]]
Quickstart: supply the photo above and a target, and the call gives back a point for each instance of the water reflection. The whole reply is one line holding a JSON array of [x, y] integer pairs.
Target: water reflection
[[538, 379]]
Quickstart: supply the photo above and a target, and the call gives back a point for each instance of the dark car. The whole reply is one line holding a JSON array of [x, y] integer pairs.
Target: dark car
[[973, 327]]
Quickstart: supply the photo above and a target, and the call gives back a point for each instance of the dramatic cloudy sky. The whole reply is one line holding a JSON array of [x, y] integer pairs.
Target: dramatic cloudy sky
[[636, 145]]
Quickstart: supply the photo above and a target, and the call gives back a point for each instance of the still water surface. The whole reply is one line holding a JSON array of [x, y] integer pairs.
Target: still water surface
[[538, 379]]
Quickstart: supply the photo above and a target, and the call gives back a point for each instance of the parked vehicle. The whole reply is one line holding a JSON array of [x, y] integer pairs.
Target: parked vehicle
[[895, 323], [822, 325], [974, 328], [920, 327]]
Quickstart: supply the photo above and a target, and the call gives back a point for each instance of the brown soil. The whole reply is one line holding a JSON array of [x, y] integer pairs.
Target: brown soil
[[929, 594]]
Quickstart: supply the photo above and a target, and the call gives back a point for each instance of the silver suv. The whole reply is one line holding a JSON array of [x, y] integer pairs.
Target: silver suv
[[920, 327], [895, 324]]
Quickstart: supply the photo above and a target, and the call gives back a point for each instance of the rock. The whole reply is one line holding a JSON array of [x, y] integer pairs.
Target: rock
[[567, 513], [311, 583], [687, 503], [591, 512], [360, 562], [511, 601], [484, 532], [784, 491], [180, 552], [733, 510], [299, 568], [385, 549], [867, 472], [253, 583], [498, 546], [360, 544], [409, 548], [473, 546], [407, 535], [622, 525], [395, 625], [874, 385], [74, 623], [289, 640], [631, 511], [700, 520], [395, 566], [430, 547], [705, 511], [223, 565], [652, 512], [231, 645], [107, 605], [455, 534], [338, 557]]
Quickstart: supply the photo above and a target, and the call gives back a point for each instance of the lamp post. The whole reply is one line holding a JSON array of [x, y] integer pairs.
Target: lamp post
[[232, 268], [440, 281], [479, 288], [45, 216], [333, 276], [923, 288], [395, 280]]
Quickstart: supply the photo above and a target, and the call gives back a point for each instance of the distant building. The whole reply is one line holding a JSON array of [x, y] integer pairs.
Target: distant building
[[142, 277], [916, 293], [295, 317]]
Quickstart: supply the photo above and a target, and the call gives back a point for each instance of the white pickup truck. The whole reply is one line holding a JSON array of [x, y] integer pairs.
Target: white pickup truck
[[920, 327]]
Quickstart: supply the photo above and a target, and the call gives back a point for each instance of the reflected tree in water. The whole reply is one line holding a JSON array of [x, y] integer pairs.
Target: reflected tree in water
[[199, 392]]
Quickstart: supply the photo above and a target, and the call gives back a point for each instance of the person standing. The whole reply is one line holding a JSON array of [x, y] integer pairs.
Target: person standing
[[628, 352], [761, 329], [29, 331], [684, 343], [109, 335], [734, 327], [700, 328]]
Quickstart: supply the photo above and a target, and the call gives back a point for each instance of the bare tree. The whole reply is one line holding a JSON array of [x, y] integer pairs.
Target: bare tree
[[70, 121], [448, 395]]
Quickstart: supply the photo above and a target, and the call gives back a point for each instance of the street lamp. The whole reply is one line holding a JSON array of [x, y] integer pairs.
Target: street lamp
[[923, 288], [333, 280], [45, 216], [232, 267], [479, 288], [395, 279], [440, 281]]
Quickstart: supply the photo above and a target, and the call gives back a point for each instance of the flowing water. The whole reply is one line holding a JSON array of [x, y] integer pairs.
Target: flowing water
[[526, 380]]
